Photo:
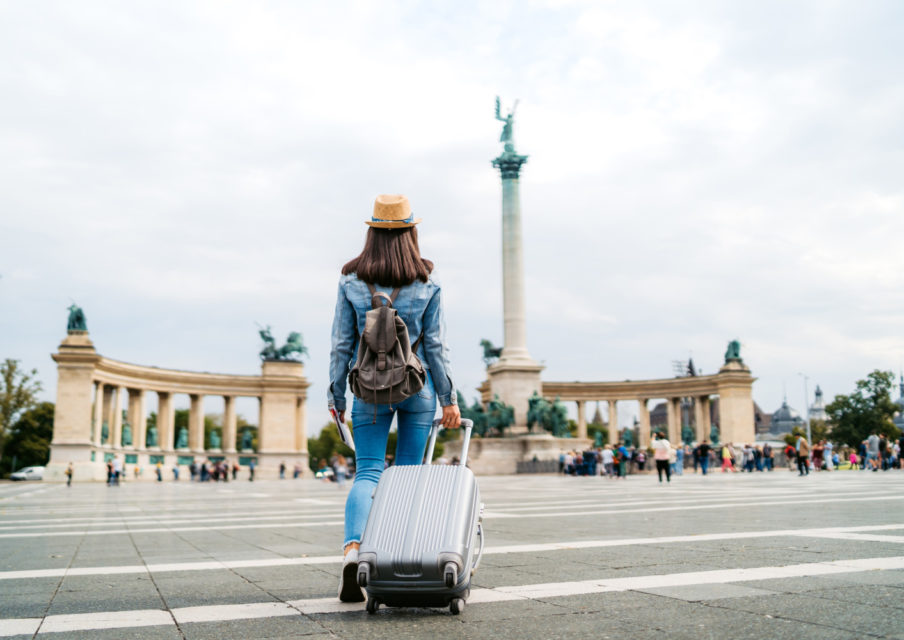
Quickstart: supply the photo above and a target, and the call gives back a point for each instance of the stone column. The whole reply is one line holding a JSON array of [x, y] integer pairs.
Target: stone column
[[514, 319], [165, 421], [673, 415], [196, 423], [698, 420], [301, 426], [137, 418], [644, 418], [705, 410], [613, 421], [582, 420], [109, 411], [98, 416], [229, 424], [116, 422]]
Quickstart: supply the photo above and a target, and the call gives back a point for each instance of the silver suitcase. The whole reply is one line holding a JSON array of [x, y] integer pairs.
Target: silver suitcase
[[418, 546]]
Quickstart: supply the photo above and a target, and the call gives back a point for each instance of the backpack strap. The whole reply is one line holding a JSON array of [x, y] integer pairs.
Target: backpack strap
[[374, 295]]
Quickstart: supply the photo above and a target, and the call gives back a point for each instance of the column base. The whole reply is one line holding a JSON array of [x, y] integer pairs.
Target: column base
[[514, 383]]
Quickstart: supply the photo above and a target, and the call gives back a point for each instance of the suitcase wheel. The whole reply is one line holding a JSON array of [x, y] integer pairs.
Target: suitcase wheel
[[363, 574], [450, 575], [372, 605], [456, 606]]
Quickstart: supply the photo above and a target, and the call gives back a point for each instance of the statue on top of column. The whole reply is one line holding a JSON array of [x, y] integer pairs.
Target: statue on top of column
[[507, 137], [76, 321], [733, 352], [292, 351]]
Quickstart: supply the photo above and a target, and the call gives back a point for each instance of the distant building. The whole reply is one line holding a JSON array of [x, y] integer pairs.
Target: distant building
[[818, 408], [783, 420]]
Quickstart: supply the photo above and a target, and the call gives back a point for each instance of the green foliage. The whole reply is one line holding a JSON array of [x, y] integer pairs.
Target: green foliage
[[18, 393], [29, 438], [868, 409]]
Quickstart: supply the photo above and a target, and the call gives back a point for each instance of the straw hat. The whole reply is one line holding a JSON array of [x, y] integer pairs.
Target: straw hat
[[392, 212]]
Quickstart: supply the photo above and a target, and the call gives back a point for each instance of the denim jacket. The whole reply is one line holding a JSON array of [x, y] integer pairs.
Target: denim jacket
[[419, 305]]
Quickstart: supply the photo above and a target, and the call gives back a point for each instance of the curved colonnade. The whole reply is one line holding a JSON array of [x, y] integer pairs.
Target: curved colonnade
[[94, 391]]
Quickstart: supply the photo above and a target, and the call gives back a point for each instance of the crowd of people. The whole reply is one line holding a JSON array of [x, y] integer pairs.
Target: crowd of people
[[617, 461]]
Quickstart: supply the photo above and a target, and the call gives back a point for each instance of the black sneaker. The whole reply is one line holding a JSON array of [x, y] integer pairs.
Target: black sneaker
[[349, 591]]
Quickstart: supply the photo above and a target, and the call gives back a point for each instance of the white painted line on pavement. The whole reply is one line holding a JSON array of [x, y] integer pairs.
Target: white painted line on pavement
[[213, 565], [240, 611], [860, 537], [714, 505], [209, 528], [104, 620]]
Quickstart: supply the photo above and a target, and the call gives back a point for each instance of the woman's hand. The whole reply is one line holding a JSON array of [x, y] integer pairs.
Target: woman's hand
[[451, 417]]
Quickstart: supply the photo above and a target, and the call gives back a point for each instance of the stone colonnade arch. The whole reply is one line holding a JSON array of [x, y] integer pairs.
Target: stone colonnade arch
[[93, 390]]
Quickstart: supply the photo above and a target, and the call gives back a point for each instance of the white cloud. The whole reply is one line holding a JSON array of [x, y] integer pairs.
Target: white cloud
[[695, 175]]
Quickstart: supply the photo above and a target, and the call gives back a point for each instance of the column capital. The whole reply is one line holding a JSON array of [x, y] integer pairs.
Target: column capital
[[509, 164]]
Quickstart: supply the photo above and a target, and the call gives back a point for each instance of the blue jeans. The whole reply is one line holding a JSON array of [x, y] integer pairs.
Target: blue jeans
[[704, 464], [415, 417]]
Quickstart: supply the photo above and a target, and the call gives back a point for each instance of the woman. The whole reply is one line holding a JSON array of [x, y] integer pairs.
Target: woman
[[390, 259]]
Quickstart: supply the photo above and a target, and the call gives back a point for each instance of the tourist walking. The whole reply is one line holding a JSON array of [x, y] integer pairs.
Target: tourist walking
[[726, 459], [69, 471], [703, 450], [251, 470], [802, 449], [872, 451], [389, 267], [621, 460], [661, 452], [827, 453], [608, 458], [768, 460]]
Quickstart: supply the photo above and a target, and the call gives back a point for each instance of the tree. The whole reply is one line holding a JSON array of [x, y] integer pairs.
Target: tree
[[867, 410], [18, 393], [29, 438]]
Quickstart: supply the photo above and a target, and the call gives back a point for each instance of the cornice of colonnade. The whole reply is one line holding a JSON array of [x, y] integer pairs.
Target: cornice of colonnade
[[134, 376], [691, 386]]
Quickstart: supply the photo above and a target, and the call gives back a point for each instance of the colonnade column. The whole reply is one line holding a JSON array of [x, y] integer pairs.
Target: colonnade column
[[613, 421], [165, 420], [698, 420], [136, 397], [196, 423], [116, 423], [98, 418], [301, 425], [229, 424], [705, 412], [644, 417], [109, 409], [673, 415], [582, 420]]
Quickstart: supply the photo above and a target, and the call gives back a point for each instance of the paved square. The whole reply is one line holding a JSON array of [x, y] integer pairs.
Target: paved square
[[725, 556]]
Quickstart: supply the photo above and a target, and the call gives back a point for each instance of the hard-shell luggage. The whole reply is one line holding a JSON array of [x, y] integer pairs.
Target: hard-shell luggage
[[418, 547]]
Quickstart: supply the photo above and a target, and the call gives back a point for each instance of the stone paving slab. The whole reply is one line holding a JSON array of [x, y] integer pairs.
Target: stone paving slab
[[147, 525]]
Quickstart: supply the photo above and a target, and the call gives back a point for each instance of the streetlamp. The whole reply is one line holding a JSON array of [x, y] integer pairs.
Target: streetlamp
[[807, 406]]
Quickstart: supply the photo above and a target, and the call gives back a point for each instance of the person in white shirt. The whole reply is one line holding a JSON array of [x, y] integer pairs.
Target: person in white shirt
[[608, 461], [662, 451]]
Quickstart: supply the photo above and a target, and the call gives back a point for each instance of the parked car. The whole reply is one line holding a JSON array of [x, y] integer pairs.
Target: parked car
[[28, 473]]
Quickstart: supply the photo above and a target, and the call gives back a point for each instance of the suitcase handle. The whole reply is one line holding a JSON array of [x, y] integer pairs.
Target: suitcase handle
[[466, 424], [479, 551]]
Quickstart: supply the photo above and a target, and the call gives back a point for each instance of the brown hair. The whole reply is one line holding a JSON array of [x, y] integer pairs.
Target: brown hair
[[391, 257]]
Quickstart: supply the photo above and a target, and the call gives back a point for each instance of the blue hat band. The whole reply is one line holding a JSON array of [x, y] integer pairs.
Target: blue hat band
[[408, 219]]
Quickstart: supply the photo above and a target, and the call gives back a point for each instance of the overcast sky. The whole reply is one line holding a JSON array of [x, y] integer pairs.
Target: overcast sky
[[698, 172]]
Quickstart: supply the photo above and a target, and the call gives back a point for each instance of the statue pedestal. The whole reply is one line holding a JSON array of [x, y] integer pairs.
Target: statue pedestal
[[500, 456], [514, 382]]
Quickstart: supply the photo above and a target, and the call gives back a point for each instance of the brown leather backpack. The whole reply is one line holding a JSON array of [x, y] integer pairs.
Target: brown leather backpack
[[387, 370]]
